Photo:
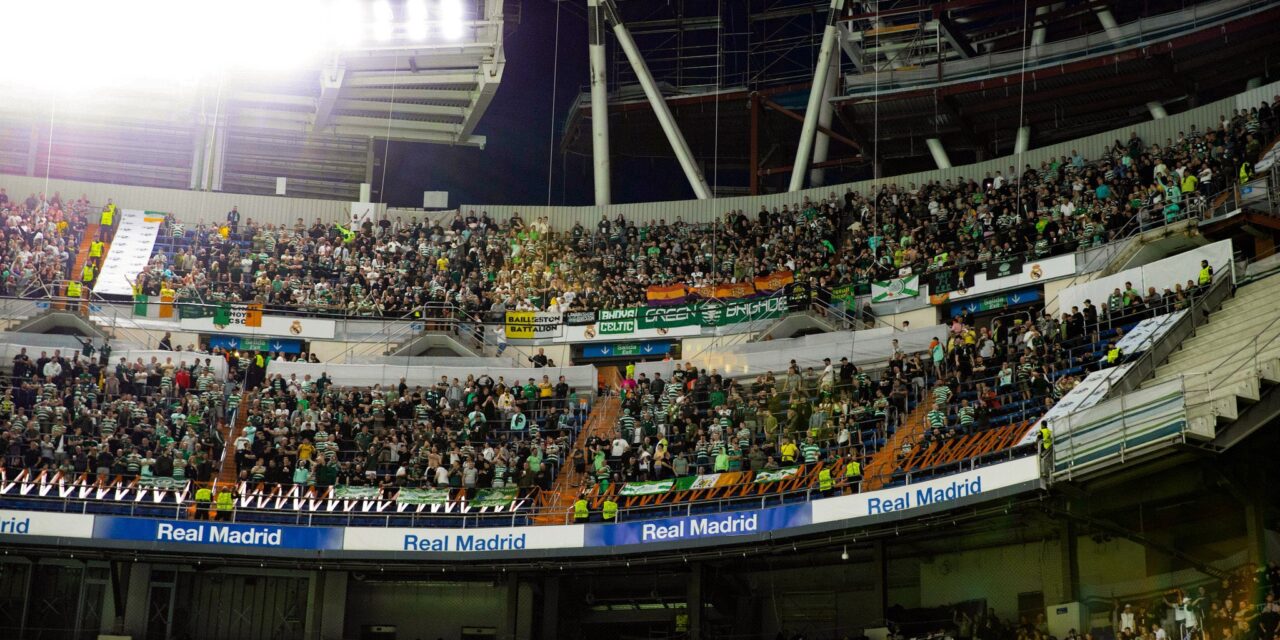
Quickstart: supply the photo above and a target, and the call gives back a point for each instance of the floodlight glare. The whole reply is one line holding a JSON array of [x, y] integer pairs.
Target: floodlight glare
[[347, 22], [451, 18], [417, 19], [382, 19]]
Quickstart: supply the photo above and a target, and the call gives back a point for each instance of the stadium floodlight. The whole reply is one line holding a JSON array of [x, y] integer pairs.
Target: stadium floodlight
[[451, 19], [347, 19], [383, 20], [416, 19]]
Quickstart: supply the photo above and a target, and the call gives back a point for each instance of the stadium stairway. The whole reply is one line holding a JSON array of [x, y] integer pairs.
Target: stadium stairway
[[1230, 358], [554, 505], [885, 461], [227, 470], [82, 255]]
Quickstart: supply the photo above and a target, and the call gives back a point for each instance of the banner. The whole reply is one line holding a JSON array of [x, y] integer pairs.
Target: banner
[[579, 318], [1010, 266], [423, 496], [494, 497], [129, 252], [646, 488], [660, 294], [708, 481], [896, 289], [616, 321], [948, 280], [284, 326], [945, 492], [728, 291], [40, 523], [347, 492], [712, 314], [467, 541], [224, 534], [774, 281], [162, 483], [764, 477], [529, 325], [799, 296], [717, 525]]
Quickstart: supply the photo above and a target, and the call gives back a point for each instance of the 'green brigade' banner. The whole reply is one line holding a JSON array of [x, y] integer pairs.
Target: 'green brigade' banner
[[646, 488], [711, 314], [423, 496], [494, 497], [784, 473], [896, 289], [345, 492]]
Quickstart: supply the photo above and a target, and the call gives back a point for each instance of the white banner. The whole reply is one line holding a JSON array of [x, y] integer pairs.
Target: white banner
[[590, 333], [896, 289], [481, 540], [282, 326], [129, 253], [39, 523], [1033, 272], [1092, 390], [932, 493]]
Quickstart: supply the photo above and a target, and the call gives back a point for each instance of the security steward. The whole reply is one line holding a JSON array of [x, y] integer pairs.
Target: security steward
[[204, 499], [1046, 437], [225, 503], [610, 510], [581, 512], [106, 221], [852, 475], [1206, 273], [825, 483]]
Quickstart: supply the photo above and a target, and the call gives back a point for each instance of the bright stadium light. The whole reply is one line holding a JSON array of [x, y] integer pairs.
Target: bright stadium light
[[451, 18], [347, 20], [416, 19], [383, 20]]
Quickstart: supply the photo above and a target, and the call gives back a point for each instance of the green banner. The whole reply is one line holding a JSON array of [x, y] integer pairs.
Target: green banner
[[140, 305], [784, 473], [646, 488], [712, 314], [617, 321], [345, 492], [423, 496], [167, 484], [494, 497]]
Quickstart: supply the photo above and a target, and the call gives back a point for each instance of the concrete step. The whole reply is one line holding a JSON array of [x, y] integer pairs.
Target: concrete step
[[1218, 362], [1234, 324], [1225, 342]]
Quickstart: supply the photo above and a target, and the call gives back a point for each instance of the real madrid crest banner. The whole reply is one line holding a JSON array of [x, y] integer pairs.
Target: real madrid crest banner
[[896, 289]]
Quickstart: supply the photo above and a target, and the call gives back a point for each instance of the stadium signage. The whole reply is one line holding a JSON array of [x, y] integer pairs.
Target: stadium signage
[[941, 492], [217, 533], [453, 541], [35, 523], [714, 525], [925, 496]]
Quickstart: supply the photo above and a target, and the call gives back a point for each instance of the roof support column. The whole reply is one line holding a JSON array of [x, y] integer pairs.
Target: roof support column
[[599, 102], [938, 152], [810, 126], [659, 104], [1023, 141], [822, 144], [1109, 23], [1041, 32], [1157, 110]]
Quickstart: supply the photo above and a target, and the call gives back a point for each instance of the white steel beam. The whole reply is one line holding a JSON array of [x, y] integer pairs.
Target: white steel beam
[[938, 152], [385, 107], [812, 111], [822, 145], [599, 103], [490, 78], [330, 86], [458, 97], [658, 102], [411, 79]]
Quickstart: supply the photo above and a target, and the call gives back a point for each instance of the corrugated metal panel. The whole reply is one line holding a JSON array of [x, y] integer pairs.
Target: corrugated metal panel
[[699, 211]]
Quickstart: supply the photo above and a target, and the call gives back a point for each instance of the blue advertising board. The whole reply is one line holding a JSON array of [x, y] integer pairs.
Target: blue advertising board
[[216, 533], [626, 350], [710, 525], [236, 343], [995, 301]]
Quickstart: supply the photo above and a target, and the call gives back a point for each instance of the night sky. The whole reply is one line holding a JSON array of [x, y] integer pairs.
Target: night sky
[[512, 169]]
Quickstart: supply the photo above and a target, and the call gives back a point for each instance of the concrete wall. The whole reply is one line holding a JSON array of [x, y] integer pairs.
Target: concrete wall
[[999, 574], [424, 609]]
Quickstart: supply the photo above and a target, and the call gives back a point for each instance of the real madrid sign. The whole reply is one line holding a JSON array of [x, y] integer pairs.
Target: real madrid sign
[[267, 325]]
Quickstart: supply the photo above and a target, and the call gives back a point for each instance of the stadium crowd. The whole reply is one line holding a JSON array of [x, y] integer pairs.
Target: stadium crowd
[[479, 266]]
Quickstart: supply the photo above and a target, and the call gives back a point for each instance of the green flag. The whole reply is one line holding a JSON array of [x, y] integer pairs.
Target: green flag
[[222, 315]]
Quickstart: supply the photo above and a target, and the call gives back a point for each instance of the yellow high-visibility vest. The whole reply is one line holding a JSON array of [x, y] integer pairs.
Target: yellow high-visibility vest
[[108, 215], [580, 509], [1046, 437], [824, 480], [95, 249], [73, 289], [1206, 275], [610, 510], [853, 469]]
